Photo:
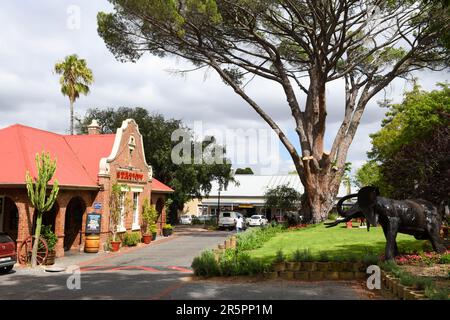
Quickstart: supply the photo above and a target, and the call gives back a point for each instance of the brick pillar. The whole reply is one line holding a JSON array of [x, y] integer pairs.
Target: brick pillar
[[59, 228]]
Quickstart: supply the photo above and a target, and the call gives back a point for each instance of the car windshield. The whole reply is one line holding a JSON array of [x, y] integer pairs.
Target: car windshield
[[226, 214], [256, 217], [4, 238]]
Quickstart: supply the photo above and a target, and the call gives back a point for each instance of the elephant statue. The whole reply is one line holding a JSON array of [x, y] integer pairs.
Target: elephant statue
[[415, 217]]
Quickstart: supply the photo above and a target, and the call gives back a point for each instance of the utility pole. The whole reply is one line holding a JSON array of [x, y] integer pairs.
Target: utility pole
[[218, 205]]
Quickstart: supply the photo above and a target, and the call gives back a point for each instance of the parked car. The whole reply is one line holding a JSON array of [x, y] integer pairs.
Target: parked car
[[186, 219], [227, 219], [7, 253], [205, 218], [257, 220]]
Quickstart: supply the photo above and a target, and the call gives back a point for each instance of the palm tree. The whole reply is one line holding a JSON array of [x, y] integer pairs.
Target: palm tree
[[75, 80]]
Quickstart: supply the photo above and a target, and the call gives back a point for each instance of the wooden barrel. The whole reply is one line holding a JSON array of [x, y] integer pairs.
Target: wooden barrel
[[92, 243]]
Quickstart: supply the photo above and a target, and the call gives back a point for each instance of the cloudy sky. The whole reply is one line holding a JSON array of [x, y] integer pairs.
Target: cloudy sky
[[36, 34]]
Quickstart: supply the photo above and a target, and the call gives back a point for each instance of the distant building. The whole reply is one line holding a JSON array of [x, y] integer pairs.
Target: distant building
[[247, 196]]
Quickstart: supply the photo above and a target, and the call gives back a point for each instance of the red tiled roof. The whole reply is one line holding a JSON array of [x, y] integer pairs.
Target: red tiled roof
[[18, 147], [89, 149], [158, 186], [77, 156]]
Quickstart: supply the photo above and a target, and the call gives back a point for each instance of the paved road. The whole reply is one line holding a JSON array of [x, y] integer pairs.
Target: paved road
[[162, 271]]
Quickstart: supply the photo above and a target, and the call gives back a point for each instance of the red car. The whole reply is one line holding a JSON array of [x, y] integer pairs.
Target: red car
[[7, 253]]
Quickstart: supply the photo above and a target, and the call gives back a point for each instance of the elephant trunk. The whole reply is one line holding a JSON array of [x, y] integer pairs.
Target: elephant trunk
[[341, 201]]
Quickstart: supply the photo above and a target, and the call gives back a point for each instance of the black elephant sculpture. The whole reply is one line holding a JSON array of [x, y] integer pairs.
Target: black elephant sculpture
[[415, 217]]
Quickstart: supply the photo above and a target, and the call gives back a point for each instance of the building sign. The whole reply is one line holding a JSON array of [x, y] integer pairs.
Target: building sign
[[246, 206], [97, 205], [130, 176], [93, 222]]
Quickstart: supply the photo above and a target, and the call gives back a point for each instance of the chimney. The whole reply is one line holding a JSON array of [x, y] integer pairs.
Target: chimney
[[94, 128]]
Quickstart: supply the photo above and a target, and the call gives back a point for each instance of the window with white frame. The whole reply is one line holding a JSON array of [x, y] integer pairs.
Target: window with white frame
[[135, 210], [122, 211]]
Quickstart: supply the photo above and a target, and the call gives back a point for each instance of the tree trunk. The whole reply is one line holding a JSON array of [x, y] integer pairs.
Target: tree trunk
[[37, 234], [71, 116], [319, 196]]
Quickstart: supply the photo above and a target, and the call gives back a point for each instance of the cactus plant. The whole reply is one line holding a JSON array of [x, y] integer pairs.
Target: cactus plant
[[41, 200]]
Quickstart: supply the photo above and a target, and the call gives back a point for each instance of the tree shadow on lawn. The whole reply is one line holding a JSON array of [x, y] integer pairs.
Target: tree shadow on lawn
[[357, 251]]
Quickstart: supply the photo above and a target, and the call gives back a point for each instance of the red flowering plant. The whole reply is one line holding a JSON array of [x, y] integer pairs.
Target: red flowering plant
[[428, 258]]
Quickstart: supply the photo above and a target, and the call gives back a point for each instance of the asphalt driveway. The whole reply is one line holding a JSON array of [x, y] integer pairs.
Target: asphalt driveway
[[161, 270]]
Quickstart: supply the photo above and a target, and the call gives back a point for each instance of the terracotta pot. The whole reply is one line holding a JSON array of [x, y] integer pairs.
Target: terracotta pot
[[147, 238], [115, 246]]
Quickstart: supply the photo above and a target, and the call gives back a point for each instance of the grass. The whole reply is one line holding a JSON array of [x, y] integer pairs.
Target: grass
[[338, 243]]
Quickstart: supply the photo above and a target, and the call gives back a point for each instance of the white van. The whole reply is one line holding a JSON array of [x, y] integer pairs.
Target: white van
[[227, 219]]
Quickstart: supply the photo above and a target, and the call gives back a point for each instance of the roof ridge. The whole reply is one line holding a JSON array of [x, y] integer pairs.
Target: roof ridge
[[18, 125]]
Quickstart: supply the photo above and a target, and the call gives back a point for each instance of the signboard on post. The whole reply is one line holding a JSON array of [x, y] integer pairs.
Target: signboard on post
[[93, 223]]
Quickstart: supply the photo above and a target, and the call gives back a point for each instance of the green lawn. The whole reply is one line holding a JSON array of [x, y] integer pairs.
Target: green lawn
[[337, 242]]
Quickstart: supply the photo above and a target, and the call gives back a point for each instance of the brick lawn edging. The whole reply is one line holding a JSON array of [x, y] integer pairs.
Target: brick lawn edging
[[391, 286], [317, 271]]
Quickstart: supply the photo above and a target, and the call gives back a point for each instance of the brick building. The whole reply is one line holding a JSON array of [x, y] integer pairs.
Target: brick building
[[87, 167]]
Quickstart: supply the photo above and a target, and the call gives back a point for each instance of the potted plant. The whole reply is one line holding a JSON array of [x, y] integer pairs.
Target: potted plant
[[153, 231], [51, 239], [115, 208], [167, 230], [149, 215]]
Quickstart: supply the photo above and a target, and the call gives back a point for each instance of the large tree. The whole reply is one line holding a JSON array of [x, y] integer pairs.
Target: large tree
[[189, 180], [410, 153], [75, 79], [299, 45]]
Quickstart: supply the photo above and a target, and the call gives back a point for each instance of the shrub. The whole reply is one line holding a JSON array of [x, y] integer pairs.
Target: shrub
[[131, 239], [153, 228], [370, 258], [205, 265], [279, 256], [421, 283], [255, 238], [149, 215], [407, 279], [352, 257], [196, 221], [303, 255], [168, 226], [389, 266], [437, 294], [107, 245], [49, 236], [445, 258], [323, 256]]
